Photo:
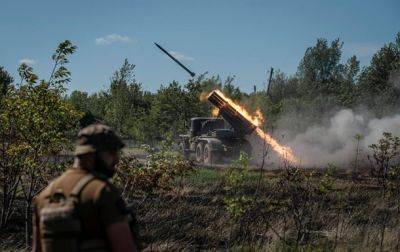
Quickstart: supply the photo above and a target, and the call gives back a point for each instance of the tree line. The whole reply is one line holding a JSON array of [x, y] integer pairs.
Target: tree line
[[324, 82]]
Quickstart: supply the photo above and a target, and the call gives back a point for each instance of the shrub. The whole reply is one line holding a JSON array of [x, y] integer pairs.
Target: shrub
[[156, 174]]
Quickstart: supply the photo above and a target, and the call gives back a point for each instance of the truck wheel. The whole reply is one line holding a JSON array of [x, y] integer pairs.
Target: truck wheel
[[209, 157], [199, 153]]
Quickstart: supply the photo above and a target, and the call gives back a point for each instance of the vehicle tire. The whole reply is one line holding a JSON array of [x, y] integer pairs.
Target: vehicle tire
[[208, 156], [199, 153]]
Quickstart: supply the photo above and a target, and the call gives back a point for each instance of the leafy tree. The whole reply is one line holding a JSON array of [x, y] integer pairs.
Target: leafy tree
[[319, 67], [385, 153], [375, 88], [126, 105], [322, 84], [26, 74], [5, 81], [320, 73], [35, 125], [230, 89], [169, 111], [97, 104], [60, 74], [81, 102], [347, 94], [194, 89]]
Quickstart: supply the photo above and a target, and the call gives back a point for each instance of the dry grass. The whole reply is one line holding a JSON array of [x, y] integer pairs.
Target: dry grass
[[193, 216]]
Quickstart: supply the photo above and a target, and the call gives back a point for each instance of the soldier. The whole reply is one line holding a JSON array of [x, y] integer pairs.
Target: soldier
[[81, 210]]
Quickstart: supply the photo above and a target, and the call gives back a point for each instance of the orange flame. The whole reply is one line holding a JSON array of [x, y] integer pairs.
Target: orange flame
[[203, 96], [257, 119], [284, 152], [215, 112]]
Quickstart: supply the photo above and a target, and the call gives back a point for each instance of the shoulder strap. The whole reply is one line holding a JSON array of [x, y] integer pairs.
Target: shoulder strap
[[81, 184]]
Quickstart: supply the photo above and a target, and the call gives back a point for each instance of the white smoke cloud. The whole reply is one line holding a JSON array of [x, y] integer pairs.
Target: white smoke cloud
[[112, 38], [28, 61], [335, 141]]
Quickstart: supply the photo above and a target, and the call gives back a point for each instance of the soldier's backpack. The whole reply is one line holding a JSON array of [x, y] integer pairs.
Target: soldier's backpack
[[60, 226]]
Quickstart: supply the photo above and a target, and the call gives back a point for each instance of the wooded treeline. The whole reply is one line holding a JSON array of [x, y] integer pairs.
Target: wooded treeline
[[324, 83]]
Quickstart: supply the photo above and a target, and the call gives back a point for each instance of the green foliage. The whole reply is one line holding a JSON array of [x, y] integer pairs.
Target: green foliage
[[60, 74], [236, 203], [5, 81], [35, 125], [305, 192], [161, 168], [385, 155], [26, 73], [170, 110], [126, 104], [320, 73], [80, 101], [237, 206], [237, 172], [376, 88]]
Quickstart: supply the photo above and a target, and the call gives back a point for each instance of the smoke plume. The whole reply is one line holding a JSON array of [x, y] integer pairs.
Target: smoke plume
[[334, 142]]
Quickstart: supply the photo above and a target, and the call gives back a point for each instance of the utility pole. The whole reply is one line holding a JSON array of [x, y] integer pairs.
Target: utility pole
[[269, 82]]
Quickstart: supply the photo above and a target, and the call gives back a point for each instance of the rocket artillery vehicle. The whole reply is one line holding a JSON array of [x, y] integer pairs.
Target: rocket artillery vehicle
[[212, 140]]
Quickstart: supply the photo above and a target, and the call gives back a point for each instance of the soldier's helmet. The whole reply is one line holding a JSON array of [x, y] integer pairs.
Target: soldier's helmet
[[97, 137]]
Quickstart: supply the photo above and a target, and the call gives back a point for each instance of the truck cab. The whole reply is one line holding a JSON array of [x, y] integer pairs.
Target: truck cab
[[211, 140]]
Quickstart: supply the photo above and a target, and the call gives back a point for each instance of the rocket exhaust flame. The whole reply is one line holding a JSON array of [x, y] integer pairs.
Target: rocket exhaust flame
[[248, 125], [224, 100], [215, 112], [284, 152], [235, 115]]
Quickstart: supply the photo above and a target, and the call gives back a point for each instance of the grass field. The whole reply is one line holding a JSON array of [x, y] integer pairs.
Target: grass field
[[280, 211], [351, 215]]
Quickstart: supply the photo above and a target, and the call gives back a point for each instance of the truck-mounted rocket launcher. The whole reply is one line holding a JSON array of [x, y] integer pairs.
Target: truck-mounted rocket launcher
[[243, 124]]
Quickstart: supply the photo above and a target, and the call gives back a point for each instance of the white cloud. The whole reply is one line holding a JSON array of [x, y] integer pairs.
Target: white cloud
[[28, 61], [361, 50], [180, 56], [112, 38]]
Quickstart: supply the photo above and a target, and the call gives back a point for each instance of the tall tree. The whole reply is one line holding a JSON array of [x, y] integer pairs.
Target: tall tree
[[376, 90], [35, 124], [319, 68], [81, 102], [126, 103], [168, 113]]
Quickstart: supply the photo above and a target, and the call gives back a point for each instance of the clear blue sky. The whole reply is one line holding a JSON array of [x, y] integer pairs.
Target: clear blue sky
[[225, 37]]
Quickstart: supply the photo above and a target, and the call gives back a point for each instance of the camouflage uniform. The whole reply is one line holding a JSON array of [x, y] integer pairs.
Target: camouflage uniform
[[100, 204]]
